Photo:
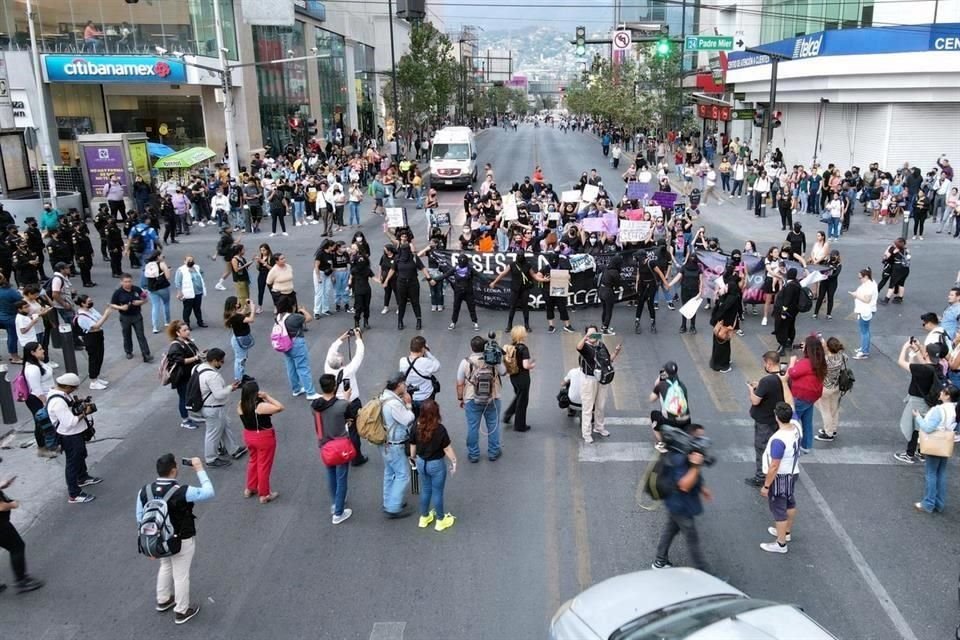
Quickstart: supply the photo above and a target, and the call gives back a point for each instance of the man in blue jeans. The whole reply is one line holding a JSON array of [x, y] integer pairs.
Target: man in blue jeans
[[478, 390], [397, 418]]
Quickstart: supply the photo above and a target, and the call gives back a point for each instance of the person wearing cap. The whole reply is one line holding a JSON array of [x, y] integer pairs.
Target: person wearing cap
[[70, 428], [922, 363], [215, 393], [397, 410], [672, 395]]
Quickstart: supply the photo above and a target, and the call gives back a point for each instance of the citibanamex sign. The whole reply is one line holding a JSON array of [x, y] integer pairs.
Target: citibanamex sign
[[84, 67]]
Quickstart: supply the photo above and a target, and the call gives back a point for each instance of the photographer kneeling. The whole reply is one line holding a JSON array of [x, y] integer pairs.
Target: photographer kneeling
[[69, 416], [686, 453]]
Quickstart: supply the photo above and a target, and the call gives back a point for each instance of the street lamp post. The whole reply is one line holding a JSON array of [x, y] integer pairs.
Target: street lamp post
[[46, 145], [225, 78], [393, 81]]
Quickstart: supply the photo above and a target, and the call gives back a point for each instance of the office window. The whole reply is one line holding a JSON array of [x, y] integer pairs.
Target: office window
[[282, 86]]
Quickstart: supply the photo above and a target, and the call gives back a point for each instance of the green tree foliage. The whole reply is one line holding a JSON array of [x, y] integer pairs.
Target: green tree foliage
[[427, 79]]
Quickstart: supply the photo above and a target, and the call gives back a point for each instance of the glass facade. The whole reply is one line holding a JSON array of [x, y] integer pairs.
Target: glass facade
[[365, 86], [115, 27], [784, 19], [183, 116], [332, 68], [282, 87]]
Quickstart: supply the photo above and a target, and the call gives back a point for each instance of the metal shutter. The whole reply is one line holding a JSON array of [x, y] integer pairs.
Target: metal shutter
[[837, 133], [794, 135], [870, 140], [919, 133]]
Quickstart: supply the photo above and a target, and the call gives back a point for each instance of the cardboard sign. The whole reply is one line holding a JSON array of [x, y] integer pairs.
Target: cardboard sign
[[396, 217], [509, 211], [590, 193], [441, 218], [654, 211], [634, 230], [570, 196], [592, 225], [580, 262], [559, 283], [639, 191], [553, 215]]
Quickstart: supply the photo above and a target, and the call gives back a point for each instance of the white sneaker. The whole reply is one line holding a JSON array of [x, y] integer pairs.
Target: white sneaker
[[773, 547], [102, 381], [763, 322], [285, 233], [346, 514], [773, 531], [384, 311], [296, 224], [200, 224], [313, 396], [314, 222], [96, 385], [272, 235], [219, 286]]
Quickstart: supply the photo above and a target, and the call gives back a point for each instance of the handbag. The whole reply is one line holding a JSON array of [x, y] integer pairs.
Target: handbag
[[938, 443], [723, 332], [337, 451]]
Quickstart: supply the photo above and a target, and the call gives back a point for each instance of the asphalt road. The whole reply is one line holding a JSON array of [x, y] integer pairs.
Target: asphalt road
[[547, 520]]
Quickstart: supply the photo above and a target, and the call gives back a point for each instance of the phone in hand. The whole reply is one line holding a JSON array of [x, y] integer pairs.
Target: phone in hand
[[186, 462], [783, 368]]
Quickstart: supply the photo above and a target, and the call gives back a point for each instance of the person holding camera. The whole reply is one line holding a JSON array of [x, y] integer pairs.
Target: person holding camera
[[674, 411], [764, 396], [683, 503], [478, 392], [332, 416], [420, 368], [781, 466], [596, 364], [68, 415], [173, 576], [922, 362], [215, 392], [346, 376]]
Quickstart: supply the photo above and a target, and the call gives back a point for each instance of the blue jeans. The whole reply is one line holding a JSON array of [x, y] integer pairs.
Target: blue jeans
[[337, 478], [396, 476], [299, 208], [804, 411], [159, 308], [864, 326], [489, 412], [390, 201], [322, 294], [342, 295], [241, 345], [354, 208], [833, 228], [433, 477], [237, 218], [935, 484], [298, 367], [9, 324], [436, 294]]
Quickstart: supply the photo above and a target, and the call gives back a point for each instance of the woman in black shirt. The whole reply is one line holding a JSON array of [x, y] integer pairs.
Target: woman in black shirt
[[241, 279], [610, 281], [522, 276], [183, 355], [829, 286], [360, 274], [431, 444], [238, 316], [265, 262], [405, 266], [255, 410], [520, 380]]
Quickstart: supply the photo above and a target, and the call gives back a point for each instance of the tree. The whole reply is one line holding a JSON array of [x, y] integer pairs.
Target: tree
[[427, 79], [609, 94], [518, 103], [547, 102], [660, 78]]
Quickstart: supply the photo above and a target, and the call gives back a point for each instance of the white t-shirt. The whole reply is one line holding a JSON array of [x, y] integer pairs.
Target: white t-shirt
[[865, 310], [575, 378], [31, 334], [419, 375]]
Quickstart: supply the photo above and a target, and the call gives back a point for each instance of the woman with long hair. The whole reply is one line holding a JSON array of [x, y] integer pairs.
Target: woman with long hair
[[828, 288], [896, 269], [238, 316], [183, 355], [724, 318], [90, 325], [431, 444], [9, 297], [772, 280], [520, 380], [829, 402], [265, 262], [241, 279], [297, 358], [158, 276], [943, 417], [39, 377], [256, 410], [806, 376]]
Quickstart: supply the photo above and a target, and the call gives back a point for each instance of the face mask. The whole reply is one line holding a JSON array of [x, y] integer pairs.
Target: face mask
[[593, 241], [190, 263]]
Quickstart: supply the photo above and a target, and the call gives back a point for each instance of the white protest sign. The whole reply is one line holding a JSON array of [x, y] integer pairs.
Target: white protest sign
[[509, 211], [570, 196], [590, 192], [580, 262], [812, 278], [559, 283], [634, 230], [396, 217], [654, 211]]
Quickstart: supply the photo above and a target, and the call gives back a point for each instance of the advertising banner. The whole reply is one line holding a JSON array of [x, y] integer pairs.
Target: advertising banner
[[102, 161], [113, 69]]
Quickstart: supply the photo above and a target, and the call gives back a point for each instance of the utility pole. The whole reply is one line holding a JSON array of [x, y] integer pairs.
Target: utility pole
[[228, 130], [393, 77], [46, 145], [766, 133]]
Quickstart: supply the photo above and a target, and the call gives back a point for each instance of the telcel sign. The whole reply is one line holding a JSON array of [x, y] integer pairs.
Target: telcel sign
[[113, 69]]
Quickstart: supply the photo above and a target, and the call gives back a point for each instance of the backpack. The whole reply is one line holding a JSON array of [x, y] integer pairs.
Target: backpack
[[674, 401], [224, 245], [194, 397], [932, 397], [845, 379], [155, 535], [137, 242], [48, 285], [370, 424], [483, 380], [804, 300], [21, 390], [510, 360], [604, 364], [279, 338], [658, 480]]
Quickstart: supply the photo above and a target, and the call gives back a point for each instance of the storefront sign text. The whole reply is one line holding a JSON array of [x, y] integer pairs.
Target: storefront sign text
[[109, 69]]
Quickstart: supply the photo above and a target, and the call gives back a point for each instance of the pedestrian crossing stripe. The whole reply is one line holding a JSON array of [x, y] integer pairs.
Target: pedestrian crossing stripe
[[644, 452]]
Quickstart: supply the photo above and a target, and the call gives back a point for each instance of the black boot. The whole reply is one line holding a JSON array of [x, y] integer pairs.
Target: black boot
[[419, 324], [636, 327], [399, 325]]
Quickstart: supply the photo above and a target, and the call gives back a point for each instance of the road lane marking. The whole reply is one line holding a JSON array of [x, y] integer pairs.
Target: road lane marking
[[644, 452], [551, 544], [717, 387], [388, 630], [581, 532], [879, 592]]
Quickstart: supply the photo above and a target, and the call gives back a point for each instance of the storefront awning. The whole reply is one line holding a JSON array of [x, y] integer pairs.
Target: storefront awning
[[185, 159], [158, 150]]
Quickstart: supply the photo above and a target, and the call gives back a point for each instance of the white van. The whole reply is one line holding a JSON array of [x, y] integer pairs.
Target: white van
[[453, 157]]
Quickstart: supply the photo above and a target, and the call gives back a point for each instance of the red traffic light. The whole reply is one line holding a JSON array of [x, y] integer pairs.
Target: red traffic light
[[294, 123]]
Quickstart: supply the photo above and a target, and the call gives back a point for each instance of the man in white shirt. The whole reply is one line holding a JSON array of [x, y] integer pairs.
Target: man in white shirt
[[419, 369], [572, 382], [347, 388], [940, 201], [69, 418]]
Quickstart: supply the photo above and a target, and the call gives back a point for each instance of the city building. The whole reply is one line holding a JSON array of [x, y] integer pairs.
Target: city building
[[858, 83], [109, 66]]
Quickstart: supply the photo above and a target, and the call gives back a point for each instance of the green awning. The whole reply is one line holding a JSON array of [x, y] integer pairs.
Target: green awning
[[185, 159]]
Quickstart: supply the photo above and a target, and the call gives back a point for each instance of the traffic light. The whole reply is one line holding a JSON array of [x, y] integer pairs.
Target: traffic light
[[758, 118], [294, 122], [581, 40], [663, 48], [777, 119], [312, 127]]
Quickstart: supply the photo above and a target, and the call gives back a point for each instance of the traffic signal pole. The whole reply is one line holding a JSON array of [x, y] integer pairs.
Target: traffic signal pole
[[774, 64]]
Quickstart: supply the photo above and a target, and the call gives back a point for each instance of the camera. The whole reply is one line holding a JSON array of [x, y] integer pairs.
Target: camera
[[83, 406], [412, 389], [351, 333], [783, 368], [492, 353], [681, 441]]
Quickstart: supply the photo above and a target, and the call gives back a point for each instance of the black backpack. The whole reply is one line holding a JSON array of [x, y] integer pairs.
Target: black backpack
[[137, 242], [804, 300], [658, 481], [194, 397], [939, 383], [604, 364]]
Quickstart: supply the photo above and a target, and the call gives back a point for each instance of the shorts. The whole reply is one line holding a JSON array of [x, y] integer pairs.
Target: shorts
[[767, 284], [779, 504], [378, 202]]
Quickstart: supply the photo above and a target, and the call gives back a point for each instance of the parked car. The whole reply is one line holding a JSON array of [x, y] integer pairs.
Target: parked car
[[677, 603]]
